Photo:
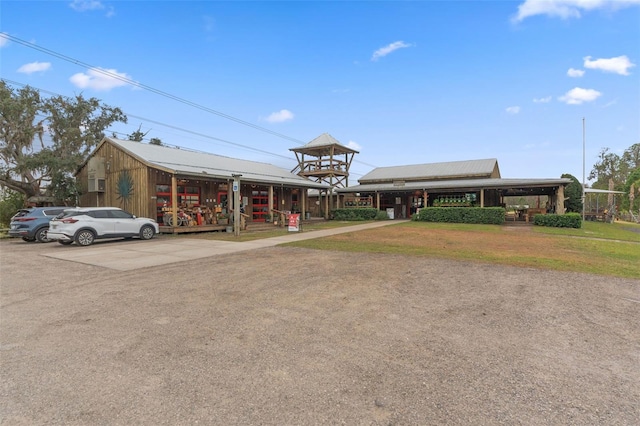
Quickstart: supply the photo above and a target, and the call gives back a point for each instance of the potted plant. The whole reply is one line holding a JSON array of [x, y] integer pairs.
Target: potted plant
[[223, 219]]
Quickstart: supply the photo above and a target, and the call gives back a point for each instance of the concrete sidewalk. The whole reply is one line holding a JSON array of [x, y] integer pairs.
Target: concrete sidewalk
[[131, 255]]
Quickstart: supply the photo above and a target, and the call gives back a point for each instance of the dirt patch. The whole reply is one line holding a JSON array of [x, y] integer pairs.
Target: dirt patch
[[296, 336]]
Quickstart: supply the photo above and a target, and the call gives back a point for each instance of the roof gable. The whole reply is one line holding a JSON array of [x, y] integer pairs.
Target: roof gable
[[324, 142], [471, 169]]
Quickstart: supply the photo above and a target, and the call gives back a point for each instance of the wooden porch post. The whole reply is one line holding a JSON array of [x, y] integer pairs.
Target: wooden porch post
[[326, 205], [560, 200], [174, 200], [378, 200], [271, 199], [481, 197], [303, 203]]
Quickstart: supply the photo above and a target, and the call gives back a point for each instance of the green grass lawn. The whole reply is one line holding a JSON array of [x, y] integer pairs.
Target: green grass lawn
[[597, 248], [622, 231]]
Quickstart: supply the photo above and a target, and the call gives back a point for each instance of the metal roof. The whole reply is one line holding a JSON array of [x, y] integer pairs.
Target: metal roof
[[186, 162], [457, 184], [323, 142], [601, 191], [470, 168]]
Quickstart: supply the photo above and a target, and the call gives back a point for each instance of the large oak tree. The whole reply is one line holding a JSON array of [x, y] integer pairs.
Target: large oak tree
[[43, 141]]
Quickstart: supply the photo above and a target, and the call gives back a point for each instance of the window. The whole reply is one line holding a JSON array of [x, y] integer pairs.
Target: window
[[99, 214], [189, 195], [120, 214], [260, 205], [53, 212]]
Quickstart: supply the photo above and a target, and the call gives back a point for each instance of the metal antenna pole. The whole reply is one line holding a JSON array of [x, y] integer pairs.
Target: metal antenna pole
[[583, 167]]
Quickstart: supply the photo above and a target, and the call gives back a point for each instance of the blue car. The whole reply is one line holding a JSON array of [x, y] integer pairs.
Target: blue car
[[32, 224]]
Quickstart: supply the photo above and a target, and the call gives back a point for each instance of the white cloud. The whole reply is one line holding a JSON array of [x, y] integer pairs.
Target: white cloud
[[34, 67], [384, 51], [354, 145], [84, 5], [87, 5], [513, 110], [3, 40], [619, 65], [542, 100], [572, 72], [280, 116], [566, 9], [100, 79], [578, 95]]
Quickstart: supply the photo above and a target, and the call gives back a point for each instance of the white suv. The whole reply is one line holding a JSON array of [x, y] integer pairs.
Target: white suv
[[86, 224]]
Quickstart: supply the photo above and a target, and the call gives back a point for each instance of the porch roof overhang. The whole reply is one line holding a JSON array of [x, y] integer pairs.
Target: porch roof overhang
[[246, 176], [601, 191], [508, 186]]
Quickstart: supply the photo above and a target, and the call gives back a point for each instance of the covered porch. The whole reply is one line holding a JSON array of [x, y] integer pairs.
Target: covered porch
[[402, 199]]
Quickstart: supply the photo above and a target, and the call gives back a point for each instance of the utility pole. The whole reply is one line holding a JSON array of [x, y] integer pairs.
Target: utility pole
[[583, 167], [236, 204]]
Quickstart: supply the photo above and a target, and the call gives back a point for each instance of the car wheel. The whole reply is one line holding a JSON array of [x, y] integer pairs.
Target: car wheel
[[27, 239], [85, 237], [41, 235], [65, 242], [147, 232]]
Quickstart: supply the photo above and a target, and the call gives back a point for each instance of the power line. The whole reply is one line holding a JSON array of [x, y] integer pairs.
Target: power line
[[167, 125], [175, 128], [161, 93], [148, 88]]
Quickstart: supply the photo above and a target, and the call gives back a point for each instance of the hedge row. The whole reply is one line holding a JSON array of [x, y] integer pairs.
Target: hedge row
[[354, 214], [569, 220], [486, 215]]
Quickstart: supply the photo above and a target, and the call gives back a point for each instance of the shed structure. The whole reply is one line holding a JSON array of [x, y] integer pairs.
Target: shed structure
[[179, 186]]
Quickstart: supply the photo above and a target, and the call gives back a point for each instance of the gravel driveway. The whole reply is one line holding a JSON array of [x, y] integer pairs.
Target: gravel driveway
[[288, 336]]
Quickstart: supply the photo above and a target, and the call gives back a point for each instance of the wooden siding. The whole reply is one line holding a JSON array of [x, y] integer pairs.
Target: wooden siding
[[118, 162]]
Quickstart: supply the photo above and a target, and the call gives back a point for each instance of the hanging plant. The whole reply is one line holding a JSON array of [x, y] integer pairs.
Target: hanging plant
[[124, 188]]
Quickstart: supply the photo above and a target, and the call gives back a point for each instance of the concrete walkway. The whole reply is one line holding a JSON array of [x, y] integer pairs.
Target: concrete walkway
[[136, 254]]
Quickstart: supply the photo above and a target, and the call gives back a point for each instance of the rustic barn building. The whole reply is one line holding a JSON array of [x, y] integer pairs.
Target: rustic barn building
[[179, 186]]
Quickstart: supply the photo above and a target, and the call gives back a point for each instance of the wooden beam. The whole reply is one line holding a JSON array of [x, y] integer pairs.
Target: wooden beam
[[174, 200], [560, 209]]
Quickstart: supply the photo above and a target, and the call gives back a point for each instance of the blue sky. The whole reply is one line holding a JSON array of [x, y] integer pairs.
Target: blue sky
[[402, 82]]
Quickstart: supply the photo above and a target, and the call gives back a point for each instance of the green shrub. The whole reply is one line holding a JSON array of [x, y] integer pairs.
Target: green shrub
[[354, 214], [485, 215], [569, 220], [10, 203], [382, 215]]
